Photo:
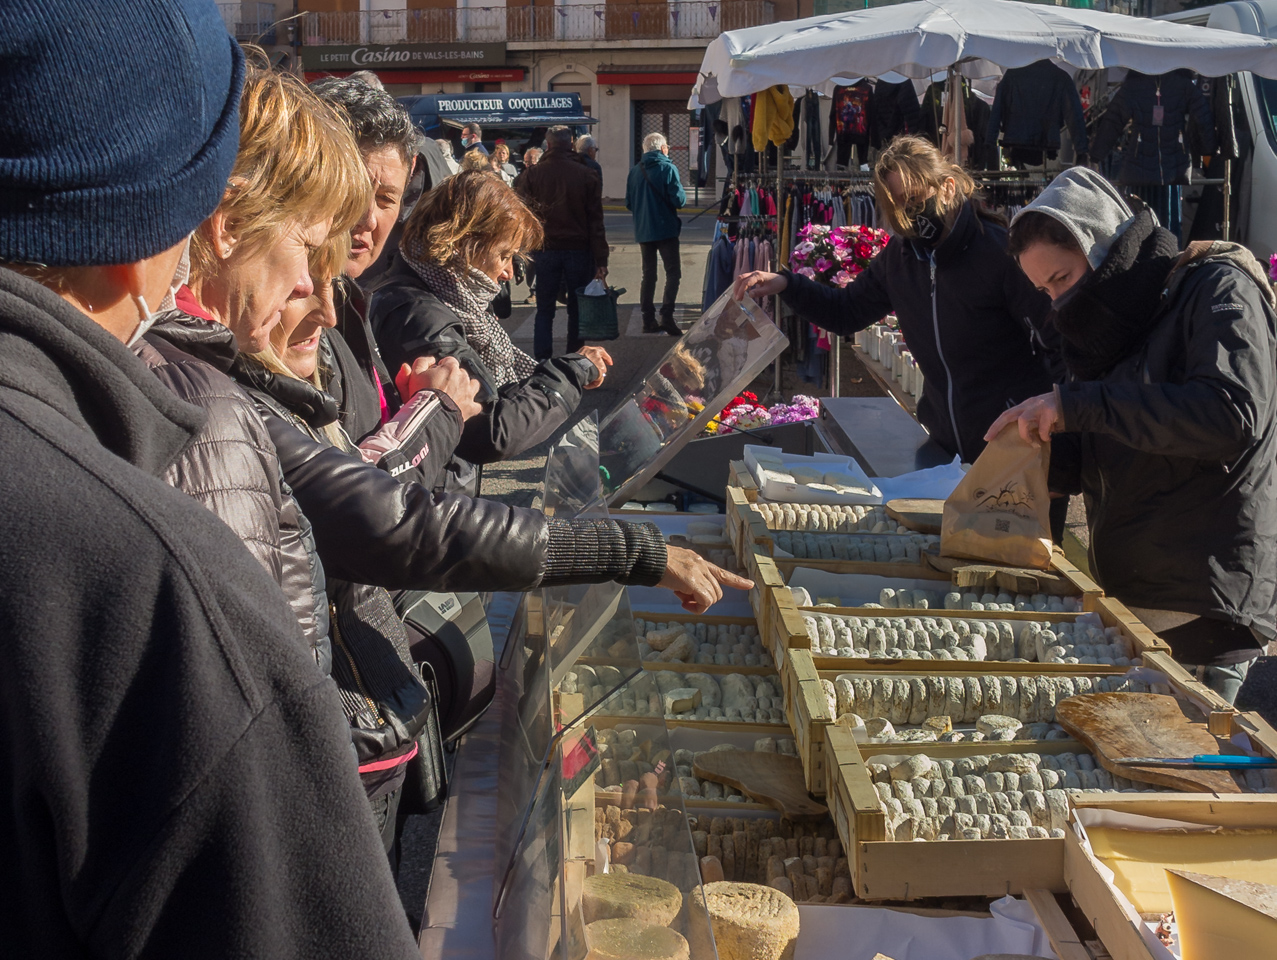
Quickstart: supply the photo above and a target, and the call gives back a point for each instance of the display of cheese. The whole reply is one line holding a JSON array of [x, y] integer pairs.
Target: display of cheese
[[966, 638], [607, 896], [709, 539], [998, 706], [633, 940], [1222, 917], [803, 861], [1016, 796], [750, 921], [872, 548], [727, 697], [828, 518], [891, 598], [1139, 859], [707, 644]]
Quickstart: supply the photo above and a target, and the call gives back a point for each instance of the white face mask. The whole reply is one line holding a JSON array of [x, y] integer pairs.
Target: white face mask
[[146, 316]]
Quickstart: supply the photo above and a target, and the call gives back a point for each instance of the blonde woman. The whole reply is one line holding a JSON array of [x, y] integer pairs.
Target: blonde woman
[[975, 325], [501, 164]]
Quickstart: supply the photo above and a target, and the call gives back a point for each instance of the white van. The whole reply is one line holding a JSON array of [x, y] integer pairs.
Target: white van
[[1256, 208]]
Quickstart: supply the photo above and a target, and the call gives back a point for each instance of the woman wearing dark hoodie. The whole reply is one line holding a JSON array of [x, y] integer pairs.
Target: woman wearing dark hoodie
[[1168, 417]]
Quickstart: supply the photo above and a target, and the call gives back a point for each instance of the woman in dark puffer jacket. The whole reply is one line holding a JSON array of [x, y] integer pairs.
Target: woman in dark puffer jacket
[[1169, 417]]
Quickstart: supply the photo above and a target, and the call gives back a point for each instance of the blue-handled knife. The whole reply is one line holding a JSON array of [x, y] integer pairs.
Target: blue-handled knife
[[1204, 761]]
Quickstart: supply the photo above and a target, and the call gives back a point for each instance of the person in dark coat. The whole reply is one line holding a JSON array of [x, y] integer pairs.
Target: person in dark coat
[[171, 752], [568, 197], [1168, 422], [978, 329], [436, 302]]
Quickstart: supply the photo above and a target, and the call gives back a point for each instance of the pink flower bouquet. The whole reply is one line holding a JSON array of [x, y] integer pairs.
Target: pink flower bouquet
[[835, 255]]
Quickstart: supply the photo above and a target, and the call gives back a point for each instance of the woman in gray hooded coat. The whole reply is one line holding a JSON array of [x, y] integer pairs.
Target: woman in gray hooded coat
[[1167, 422]]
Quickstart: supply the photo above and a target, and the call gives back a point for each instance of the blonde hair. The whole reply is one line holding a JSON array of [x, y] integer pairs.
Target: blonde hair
[[922, 168], [465, 217], [475, 162], [497, 150], [298, 163]]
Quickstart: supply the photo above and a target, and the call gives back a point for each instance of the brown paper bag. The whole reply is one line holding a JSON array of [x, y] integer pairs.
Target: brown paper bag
[[1000, 512]]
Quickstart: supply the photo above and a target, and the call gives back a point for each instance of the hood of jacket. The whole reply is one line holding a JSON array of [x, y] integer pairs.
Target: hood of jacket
[[54, 353], [202, 339], [654, 158], [1089, 207], [1200, 252]]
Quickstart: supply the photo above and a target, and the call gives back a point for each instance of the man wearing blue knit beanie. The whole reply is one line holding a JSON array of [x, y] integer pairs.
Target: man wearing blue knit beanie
[[176, 774]]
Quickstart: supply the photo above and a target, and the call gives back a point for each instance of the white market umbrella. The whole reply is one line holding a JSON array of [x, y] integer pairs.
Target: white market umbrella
[[916, 39]]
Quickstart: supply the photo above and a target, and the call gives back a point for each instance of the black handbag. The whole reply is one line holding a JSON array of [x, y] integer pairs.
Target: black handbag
[[388, 704]]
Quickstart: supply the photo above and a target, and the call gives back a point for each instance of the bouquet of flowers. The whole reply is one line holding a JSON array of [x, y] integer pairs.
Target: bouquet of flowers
[[746, 413], [835, 255]]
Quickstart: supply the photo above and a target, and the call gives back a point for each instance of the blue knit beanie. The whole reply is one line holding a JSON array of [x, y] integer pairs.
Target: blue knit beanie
[[119, 125]]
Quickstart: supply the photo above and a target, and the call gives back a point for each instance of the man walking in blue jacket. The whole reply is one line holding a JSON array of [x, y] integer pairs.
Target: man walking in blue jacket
[[654, 195]]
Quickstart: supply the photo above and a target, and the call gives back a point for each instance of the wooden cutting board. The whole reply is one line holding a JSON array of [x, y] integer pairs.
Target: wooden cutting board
[[922, 516], [1117, 725], [771, 778]]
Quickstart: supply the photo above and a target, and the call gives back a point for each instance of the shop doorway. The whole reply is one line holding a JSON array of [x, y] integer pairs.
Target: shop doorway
[[670, 118]]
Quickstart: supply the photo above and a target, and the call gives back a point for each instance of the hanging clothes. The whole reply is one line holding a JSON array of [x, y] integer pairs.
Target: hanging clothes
[[773, 116], [813, 143], [719, 270], [895, 111], [850, 117], [1157, 111], [1031, 106]]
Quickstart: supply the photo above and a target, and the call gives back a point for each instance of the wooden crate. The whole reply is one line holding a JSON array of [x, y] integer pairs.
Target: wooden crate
[[808, 714], [1110, 913], [1110, 612], [884, 869]]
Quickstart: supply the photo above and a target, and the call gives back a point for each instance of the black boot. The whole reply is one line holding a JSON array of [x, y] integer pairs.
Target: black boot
[[651, 326], [669, 326]]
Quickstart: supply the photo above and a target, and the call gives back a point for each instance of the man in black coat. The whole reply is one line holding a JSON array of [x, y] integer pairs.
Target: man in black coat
[[176, 772]]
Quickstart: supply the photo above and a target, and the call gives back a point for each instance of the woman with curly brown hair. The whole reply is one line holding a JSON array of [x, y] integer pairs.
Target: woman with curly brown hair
[[457, 247]]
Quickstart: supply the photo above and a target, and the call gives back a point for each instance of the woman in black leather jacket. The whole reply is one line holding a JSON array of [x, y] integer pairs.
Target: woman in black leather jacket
[[367, 527], [457, 246]]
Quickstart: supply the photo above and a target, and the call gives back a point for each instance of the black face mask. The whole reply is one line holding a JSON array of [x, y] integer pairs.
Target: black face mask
[[928, 225], [1060, 302]]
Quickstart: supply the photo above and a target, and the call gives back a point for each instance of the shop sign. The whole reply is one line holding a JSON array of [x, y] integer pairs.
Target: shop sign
[[403, 56]]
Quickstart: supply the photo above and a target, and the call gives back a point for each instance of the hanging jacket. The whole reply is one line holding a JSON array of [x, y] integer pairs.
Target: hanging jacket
[[1155, 153], [1174, 450], [773, 120], [409, 322], [719, 271], [654, 194], [1031, 106], [894, 110], [976, 326]]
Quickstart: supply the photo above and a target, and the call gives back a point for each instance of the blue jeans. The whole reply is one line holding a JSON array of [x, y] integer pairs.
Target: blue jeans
[[557, 269]]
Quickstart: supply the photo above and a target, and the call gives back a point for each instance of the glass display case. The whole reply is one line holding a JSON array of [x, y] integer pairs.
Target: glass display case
[[593, 838]]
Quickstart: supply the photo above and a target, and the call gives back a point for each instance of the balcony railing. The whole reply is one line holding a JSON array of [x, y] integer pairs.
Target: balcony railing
[[249, 22], [692, 19]]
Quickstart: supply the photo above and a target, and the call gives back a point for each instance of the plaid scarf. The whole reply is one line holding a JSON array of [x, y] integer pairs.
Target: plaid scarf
[[468, 292]]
